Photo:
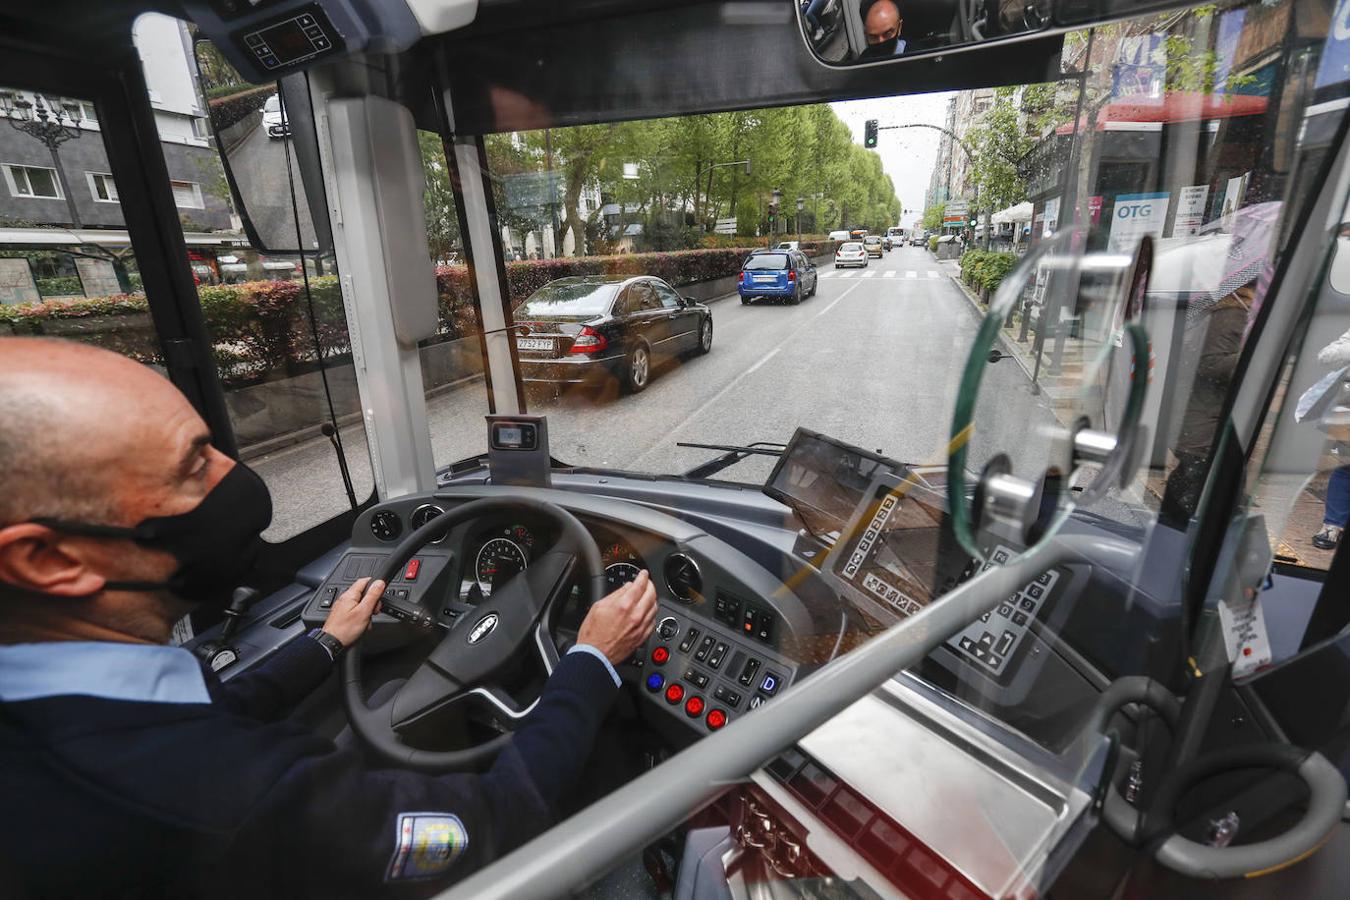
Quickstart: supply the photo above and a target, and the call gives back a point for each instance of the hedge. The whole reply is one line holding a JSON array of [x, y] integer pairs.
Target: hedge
[[986, 269], [262, 329], [226, 111]]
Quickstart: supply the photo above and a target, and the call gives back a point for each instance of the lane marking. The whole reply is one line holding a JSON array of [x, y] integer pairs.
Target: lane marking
[[911, 274], [889, 273], [846, 274], [634, 463], [867, 273], [827, 274], [932, 274]]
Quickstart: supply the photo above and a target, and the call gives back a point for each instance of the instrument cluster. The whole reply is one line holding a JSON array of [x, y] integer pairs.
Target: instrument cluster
[[498, 553]]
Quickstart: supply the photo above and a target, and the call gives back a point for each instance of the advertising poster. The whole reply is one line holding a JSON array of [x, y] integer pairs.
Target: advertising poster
[[98, 277], [1232, 199], [1335, 65], [16, 283], [1134, 216], [1190, 210], [1051, 216]]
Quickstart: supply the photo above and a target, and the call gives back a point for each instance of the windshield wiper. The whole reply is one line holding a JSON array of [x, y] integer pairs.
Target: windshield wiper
[[733, 453]]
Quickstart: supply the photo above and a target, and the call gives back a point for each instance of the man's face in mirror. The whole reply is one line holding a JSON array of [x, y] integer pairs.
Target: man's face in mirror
[[882, 22]]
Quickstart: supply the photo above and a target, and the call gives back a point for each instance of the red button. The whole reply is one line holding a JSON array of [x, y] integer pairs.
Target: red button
[[674, 693], [716, 719], [410, 573], [693, 707], [660, 655]]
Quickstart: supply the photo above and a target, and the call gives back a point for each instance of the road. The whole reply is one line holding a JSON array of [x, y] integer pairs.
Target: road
[[259, 165], [874, 359]]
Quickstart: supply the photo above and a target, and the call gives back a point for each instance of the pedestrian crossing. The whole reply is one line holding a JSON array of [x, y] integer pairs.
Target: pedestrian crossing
[[871, 273]]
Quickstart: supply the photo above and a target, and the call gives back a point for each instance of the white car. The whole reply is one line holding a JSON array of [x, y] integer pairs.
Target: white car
[[850, 253], [788, 245], [274, 118]]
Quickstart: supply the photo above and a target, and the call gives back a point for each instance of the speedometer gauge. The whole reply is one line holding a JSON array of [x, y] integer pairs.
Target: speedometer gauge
[[619, 574], [499, 560]]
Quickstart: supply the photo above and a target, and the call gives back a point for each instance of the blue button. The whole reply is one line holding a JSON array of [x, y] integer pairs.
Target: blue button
[[769, 684], [655, 682]]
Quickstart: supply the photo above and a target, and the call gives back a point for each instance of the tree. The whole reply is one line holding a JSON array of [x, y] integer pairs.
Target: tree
[[932, 217], [438, 197]]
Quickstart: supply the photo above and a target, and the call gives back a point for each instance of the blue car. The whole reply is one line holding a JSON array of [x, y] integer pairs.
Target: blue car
[[777, 275]]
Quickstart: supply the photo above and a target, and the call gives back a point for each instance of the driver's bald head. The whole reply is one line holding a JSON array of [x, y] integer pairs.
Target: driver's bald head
[[73, 418], [882, 22]]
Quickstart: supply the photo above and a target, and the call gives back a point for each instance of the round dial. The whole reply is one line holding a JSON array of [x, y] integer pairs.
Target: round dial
[[683, 578], [386, 525], [619, 574], [499, 560], [424, 514]]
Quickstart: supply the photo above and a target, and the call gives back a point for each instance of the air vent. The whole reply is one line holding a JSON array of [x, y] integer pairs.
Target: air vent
[[683, 579]]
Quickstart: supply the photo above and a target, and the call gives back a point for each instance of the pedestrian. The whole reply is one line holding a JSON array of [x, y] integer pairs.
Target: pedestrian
[[1336, 507]]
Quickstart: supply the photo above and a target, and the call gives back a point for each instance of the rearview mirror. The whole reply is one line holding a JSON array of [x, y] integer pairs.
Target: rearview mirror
[[267, 143], [863, 32]]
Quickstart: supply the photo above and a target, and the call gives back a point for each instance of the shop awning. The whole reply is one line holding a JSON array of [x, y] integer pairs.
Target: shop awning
[[1176, 106], [1019, 213]]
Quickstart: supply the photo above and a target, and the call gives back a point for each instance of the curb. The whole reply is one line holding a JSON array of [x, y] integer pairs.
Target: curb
[[1003, 341]]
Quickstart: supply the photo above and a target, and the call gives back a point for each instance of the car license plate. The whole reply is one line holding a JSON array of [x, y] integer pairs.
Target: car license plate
[[539, 344], [766, 278]]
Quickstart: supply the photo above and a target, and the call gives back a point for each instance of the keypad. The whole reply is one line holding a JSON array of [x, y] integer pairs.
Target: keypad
[[991, 640]]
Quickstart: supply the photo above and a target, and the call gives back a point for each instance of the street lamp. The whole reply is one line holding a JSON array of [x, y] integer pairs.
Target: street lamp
[[51, 124], [801, 204], [776, 205]]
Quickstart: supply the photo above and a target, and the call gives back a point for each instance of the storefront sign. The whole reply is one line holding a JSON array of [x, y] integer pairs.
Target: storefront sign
[[1190, 210], [98, 277], [16, 283], [1134, 216]]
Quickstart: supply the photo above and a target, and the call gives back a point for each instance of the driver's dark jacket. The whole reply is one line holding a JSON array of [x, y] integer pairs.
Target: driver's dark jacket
[[109, 798]]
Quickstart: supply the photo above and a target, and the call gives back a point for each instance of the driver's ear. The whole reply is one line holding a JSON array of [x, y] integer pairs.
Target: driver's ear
[[36, 559]]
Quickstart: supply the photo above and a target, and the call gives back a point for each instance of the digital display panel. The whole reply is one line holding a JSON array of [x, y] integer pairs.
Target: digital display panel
[[514, 436], [824, 480], [893, 552], [288, 41]]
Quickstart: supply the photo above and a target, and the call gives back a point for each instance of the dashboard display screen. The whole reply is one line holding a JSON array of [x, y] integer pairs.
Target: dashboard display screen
[[825, 480], [288, 41]]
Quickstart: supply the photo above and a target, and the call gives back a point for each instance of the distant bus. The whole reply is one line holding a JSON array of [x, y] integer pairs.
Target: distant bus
[[895, 232]]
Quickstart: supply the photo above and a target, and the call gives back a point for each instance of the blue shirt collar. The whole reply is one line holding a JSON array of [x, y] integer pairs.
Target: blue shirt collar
[[149, 673]]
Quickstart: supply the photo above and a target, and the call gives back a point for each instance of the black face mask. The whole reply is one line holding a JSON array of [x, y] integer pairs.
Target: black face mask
[[216, 542]]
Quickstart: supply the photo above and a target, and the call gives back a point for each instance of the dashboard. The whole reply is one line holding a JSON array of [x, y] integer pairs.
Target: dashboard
[[726, 633]]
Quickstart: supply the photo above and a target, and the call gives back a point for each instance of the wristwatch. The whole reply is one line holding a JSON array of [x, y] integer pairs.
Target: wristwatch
[[327, 642]]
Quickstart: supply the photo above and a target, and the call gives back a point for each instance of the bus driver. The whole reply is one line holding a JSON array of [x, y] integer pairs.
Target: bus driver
[[130, 769]]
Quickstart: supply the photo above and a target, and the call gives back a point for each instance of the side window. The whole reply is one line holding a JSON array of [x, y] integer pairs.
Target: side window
[[275, 313], [643, 297], [625, 304], [669, 299]]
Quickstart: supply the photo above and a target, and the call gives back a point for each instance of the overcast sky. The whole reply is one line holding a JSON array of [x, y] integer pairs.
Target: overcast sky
[[907, 155]]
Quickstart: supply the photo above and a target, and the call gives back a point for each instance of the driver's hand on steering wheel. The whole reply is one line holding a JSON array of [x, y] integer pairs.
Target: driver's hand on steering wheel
[[352, 610], [617, 624]]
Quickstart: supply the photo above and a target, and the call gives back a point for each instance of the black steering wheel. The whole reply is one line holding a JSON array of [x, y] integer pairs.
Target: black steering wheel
[[481, 642]]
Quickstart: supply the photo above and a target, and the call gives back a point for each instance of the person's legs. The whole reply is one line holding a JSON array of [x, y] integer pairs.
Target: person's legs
[[1336, 513]]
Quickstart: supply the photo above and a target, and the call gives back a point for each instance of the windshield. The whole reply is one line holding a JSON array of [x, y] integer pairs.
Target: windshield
[[767, 261], [569, 298], [850, 247]]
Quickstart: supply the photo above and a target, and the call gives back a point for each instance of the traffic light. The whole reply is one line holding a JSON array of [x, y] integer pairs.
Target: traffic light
[[870, 134]]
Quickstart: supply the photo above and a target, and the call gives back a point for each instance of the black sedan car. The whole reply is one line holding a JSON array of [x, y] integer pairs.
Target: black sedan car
[[597, 330]]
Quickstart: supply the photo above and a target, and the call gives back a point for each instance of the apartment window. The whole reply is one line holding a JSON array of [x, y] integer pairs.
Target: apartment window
[[201, 128], [90, 113], [102, 187], [187, 195], [32, 181]]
